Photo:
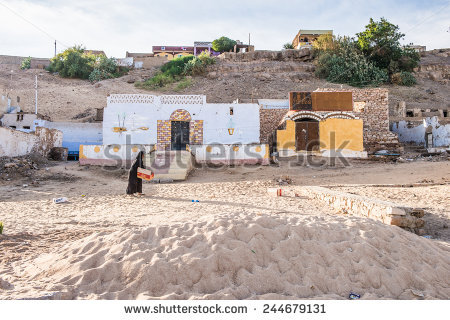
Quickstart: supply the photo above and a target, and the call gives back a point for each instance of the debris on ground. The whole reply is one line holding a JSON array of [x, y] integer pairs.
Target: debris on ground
[[353, 296], [60, 200], [283, 180]]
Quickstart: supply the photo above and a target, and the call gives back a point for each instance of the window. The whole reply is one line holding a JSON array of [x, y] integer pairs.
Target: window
[[166, 55], [13, 127], [410, 113], [445, 112], [26, 127], [231, 111]]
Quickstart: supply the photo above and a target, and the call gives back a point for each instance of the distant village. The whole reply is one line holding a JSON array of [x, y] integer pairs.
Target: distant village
[[327, 122]]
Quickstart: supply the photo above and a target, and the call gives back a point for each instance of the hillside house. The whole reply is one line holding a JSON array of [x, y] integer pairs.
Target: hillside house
[[305, 38]]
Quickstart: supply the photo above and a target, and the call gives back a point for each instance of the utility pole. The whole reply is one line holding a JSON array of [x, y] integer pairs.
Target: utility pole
[[55, 48], [35, 99], [249, 38]]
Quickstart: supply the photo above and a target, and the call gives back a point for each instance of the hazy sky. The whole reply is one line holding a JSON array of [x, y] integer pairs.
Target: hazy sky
[[116, 26]]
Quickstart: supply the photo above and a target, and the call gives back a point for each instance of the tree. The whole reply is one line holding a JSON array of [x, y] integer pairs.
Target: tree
[[344, 63], [223, 44], [288, 45], [73, 63], [380, 43]]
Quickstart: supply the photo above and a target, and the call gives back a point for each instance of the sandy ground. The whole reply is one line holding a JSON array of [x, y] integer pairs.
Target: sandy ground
[[235, 243]]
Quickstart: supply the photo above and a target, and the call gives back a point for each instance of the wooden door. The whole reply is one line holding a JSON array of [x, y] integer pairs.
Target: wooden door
[[307, 135], [179, 135]]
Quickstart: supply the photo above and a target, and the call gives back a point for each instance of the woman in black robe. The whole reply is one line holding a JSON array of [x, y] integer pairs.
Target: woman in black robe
[[135, 183]]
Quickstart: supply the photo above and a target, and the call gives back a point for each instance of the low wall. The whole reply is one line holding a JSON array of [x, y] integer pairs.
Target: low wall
[[231, 154], [150, 62], [15, 143], [384, 211], [267, 55], [110, 155], [113, 155]]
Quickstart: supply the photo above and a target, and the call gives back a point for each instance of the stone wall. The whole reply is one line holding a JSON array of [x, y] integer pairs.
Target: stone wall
[[267, 55], [384, 211], [371, 105], [270, 119]]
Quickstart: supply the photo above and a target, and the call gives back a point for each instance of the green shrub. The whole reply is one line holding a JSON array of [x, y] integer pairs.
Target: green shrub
[[175, 67], [1, 227], [73, 63], [106, 68], [183, 84], [26, 63], [403, 78], [346, 64], [206, 59], [76, 63], [197, 66], [288, 45], [158, 81]]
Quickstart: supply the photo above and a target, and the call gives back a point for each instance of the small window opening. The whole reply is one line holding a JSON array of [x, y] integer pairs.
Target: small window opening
[[231, 111], [26, 127], [410, 114], [13, 127], [445, 112]]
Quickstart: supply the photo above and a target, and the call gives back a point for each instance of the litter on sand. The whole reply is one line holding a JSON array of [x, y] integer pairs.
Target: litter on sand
[[274, 192], [60, 200], [353, 296]]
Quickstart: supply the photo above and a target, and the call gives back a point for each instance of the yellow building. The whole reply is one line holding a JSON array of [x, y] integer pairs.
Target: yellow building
[[171, 52], [328, 129]]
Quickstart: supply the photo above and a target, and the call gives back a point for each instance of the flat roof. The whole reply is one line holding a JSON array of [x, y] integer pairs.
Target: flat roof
[[301, 31]]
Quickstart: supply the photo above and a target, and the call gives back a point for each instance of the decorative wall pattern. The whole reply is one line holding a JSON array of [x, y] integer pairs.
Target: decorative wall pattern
[[164, 128], [131, 98], [183, 99], [319, 116], [180, 115], [196, 132]]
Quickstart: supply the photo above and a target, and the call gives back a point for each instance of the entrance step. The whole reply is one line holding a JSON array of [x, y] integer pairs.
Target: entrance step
[[170, 165]]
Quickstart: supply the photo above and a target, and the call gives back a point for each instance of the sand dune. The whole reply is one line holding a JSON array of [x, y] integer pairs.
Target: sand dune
[[241, 256]]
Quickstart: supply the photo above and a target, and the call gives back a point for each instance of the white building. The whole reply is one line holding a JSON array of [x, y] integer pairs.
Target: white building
[[221, 133]]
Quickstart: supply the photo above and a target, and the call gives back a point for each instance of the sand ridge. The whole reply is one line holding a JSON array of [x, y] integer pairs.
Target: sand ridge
[[247, 256]]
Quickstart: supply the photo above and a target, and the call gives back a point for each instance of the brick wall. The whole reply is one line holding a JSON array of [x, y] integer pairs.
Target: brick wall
[[269, 121], [373, 109]]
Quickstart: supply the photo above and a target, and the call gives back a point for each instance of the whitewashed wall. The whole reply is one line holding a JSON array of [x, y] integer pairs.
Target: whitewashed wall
[[139, 115], [75, 134], [15, 143], [416, 134]]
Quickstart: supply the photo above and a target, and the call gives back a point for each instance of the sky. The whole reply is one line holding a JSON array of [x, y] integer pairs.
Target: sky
[[117, 26]]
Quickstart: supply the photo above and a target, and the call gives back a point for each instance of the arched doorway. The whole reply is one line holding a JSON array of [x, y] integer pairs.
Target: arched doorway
[[180, 124], [307, 134]]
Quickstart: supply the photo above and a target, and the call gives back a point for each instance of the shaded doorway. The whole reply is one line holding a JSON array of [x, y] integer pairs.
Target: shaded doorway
[[179, 135], [307, 135]]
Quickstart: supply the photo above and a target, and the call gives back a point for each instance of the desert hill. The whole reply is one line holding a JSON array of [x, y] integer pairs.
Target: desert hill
[[266, 76]]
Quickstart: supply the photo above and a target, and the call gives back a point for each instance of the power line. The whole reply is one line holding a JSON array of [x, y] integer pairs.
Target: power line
[[432, 15], [38, 28]]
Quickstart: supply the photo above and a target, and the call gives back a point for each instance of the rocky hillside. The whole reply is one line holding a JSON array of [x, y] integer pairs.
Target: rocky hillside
[[261, 74]]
